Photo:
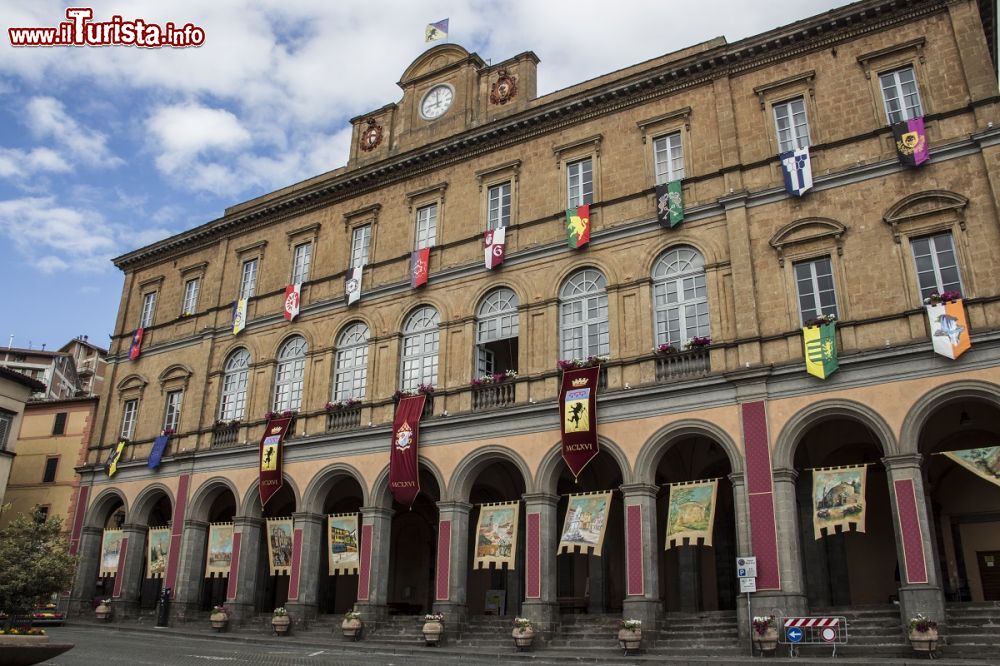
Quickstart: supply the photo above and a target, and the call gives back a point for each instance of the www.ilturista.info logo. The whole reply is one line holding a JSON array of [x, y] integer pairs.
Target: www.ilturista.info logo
[[80, 30]]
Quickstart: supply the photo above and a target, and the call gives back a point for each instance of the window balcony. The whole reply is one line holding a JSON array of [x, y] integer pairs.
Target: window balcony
[[225, 436], [683, 365], [346, 418], [491, 396]]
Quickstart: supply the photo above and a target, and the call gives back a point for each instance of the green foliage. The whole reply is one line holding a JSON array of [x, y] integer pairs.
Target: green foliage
[[34, 561]]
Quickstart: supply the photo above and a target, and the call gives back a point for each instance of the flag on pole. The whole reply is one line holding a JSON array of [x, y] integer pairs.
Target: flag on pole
[[578, 226], [494, 247], [911, 142], [135, 348], [670, 203], [352, 284], [436, 31], [419, 262], [239, 315], [796, 166], [293, 296]]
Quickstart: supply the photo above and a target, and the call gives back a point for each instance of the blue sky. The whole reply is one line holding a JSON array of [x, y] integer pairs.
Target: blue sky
[[103, 150]]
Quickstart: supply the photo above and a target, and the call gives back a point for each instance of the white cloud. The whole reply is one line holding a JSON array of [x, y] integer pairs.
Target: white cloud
[[15, 163], [47, 119], [184, 132]]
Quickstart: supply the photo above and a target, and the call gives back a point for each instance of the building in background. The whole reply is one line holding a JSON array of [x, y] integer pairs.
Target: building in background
[[77, 369], [91, 362], [15, 390]]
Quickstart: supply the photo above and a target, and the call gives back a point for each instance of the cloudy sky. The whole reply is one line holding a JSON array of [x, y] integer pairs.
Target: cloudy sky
[[103, 150]]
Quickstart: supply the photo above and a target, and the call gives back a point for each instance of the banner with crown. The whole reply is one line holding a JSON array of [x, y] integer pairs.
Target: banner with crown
[[404, 475], [342, 536], [270, 456], [578, 407]]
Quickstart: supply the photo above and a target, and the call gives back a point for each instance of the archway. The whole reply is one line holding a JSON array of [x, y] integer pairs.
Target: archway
[[216, 506], [107, 513], [340, 494], [412, 555], [154, 510], [272, 591]]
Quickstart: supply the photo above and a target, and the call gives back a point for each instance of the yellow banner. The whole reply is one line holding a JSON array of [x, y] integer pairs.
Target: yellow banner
[[496, 535]]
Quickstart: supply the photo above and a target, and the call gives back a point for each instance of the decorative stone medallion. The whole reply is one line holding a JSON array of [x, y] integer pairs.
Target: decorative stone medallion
[[371, 137], [504, 89]]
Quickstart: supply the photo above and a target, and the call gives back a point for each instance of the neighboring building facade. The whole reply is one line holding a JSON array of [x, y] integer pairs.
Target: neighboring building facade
[[15, 390], [53, 440], [470, 147], [91, 363], [55, 370]]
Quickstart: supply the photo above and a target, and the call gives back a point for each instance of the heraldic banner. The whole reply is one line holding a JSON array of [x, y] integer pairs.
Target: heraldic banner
[[496, 535], [270, 457], [586, 521], [983, 462], [111, 464], [157, 552], [342, 533], [839, 498], [279, 546], [821, 349], [220, 550], [691, 513], [578, 403], [111, 546], [404, 477], [949, 328]]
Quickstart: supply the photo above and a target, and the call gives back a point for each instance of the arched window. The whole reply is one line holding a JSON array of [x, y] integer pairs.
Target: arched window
[[235, 377], [680, 298], [496, 332], [583, 316], [350, 374], [288, 378], [420, 348]]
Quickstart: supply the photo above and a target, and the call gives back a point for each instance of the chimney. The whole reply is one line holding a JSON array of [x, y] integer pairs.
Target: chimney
[[86, 337], [43, 346]]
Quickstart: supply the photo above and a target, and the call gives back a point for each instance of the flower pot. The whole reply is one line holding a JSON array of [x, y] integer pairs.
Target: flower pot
[[351, 628], [281, 624], [14, 640], [924, 641], [767, 641], [432, 632], [103, 612], [523, 637], [629, 640], [219, 620]]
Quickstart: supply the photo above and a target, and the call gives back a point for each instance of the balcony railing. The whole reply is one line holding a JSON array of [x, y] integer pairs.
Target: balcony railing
[[683, 365], [491, 396], [225, 436], [343, 419]]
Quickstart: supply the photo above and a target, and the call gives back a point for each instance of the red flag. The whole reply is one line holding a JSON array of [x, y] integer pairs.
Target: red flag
[[270, 457], [404, 477], [494, 247], [578, 407], [419, 262], [293, 294], [136, 347]]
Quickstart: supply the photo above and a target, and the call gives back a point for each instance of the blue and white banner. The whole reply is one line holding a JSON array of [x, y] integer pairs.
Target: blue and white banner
[[797, 168]]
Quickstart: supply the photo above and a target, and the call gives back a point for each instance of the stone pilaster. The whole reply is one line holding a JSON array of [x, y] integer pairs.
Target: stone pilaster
[[309, 528], [642, 586], [87, 566], [126, 602], [191, 571], [452, 563], [541, 540], [241, 595], [373, 584]]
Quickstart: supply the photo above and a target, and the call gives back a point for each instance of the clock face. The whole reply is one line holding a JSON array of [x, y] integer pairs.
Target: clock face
[[436, 102]]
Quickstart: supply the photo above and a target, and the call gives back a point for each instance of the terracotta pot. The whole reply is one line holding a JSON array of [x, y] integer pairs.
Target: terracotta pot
[[351, 628], [281, 624], [767, 641], [103, 612], [432, 632], [523, 637], [629, 640], [13, 640], [924, 641], [219, 620]]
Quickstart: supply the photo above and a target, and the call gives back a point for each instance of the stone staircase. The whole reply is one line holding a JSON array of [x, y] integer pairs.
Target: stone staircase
[[401, 630], [708, 633], [488, 633], [973, 630]]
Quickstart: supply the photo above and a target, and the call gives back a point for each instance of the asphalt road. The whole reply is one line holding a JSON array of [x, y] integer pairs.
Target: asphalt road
[[108, 648]]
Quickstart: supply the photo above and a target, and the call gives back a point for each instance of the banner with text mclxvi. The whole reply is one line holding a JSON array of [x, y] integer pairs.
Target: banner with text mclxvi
[[578, 404], [404, 475], [270, 457]]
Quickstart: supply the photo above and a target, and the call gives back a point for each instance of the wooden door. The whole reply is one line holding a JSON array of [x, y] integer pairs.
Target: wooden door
[[989, 573]]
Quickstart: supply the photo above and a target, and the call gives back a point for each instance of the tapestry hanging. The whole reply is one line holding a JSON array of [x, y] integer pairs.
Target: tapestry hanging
[[839, 499], [279, 545], [691, 513], [342, 534], [157, 552], [496, 535], [111, 545], [220, 550], [984, 462], [585, 524]]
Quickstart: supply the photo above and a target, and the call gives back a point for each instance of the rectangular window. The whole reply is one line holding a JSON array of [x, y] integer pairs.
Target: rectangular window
[[426, 226], [669, 158], [361, 240], [191, 296], [814, 280], [498, 206], [900, 95], [301, 262], [6, 421], [580, 183], [937, 268], [59, 427], [248, 283], [791, 124], [148, 308], [128, 418], [173, 414], [49, 475], [41, 513]]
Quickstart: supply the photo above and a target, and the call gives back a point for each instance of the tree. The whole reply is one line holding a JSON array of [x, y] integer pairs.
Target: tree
[[34, 561]]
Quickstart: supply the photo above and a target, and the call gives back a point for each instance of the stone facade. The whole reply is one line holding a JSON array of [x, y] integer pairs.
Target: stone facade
[[744, 410]]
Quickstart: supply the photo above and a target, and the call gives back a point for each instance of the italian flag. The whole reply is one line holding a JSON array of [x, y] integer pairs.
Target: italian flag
[[578, 226]]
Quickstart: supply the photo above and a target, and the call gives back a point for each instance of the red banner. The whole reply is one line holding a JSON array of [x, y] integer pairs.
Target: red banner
[[135, 348], [404, 477], [578, 416], [419, 267], [270, 457], [494, 244], [293, 295]]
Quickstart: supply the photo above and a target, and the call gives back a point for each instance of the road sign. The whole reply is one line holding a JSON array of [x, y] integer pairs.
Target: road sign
[[793, 634], [828, 634], [746, 567], [748, 585]]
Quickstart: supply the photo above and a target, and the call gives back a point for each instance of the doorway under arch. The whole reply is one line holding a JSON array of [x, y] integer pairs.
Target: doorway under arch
[[412, 555]]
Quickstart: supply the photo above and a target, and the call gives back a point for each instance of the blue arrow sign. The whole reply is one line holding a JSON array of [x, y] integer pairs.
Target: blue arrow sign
[[794, 634]]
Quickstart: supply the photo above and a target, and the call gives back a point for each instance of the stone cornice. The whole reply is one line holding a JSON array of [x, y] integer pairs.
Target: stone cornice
[[780, 44]]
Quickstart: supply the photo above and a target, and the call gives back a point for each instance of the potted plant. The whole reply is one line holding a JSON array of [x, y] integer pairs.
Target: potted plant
[[219, 617], [665, 349], [433, 628], [352, 625], [765, 633], [630, 635], [698, 342], [21, 635], [280, 621], [103, 610], [523, 633], [923, 633]]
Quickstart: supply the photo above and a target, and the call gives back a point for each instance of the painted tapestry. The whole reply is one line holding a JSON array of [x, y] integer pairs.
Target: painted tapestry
[[839, 499], [691, 513], [342, 532], [220, 550], [111, 545], [496, 535], [157, 552], [279, 545], [586, 521], [983, 462]]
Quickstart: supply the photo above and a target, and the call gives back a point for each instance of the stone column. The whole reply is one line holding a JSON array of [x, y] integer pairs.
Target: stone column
[[642, 587], [452, 569], [540, 542], [307, 547], [241, 592], [919, 587], [126, 602], [373, 576], [791, 598], [191, 572], [87, 567]]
